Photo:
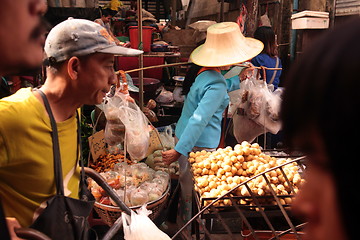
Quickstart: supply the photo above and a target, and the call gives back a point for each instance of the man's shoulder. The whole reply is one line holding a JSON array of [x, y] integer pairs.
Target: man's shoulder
[[17, 104], [20, 95]]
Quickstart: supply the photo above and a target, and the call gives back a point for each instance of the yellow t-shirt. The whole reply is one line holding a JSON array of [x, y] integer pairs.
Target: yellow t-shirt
[[26, 156]]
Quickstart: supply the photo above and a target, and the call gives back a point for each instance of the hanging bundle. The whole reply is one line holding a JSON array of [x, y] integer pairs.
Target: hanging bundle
[[126, 122], [256, 110]]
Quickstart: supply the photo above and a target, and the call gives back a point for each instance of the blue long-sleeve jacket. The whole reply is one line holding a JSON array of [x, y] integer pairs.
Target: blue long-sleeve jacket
[[200, 121], [265, 60]]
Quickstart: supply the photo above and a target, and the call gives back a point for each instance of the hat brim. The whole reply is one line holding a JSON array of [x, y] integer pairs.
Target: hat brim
[[227, 54], [120, 51]]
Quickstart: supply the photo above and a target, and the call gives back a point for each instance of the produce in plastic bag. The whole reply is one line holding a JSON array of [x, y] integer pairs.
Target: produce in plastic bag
[[142, 172], [154, 192], [165, 96], [114, 133], [122, 113], [138, 226], [265, 107], [122, 196], [256, 110], [136, 184], [139, 197], [167, 139], [161, 179]]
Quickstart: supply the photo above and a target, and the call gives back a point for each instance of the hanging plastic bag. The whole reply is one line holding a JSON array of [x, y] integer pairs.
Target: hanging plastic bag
[[126, 122], [167, 139], [256, 110], [165, 96], [246, 129], [138, 226]]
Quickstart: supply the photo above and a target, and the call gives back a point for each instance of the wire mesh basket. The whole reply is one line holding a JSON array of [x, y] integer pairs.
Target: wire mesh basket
[[244, 212]]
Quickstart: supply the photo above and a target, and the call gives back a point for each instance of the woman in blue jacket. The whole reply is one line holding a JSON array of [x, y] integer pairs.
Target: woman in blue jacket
[[199, 126], [269, 56]]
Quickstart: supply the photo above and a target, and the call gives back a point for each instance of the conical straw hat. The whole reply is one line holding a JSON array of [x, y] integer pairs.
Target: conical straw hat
[[225, 45]]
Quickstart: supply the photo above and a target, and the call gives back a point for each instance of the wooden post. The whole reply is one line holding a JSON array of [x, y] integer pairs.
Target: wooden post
[[173, 12], [252, 18], [157, 14], [222, 11]]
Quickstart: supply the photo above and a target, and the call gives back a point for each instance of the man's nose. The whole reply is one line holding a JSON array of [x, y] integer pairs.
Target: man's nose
[[113, 79]]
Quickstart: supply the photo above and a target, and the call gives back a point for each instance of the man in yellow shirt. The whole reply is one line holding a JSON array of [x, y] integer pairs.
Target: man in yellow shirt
[[80, 59], [21, 46]]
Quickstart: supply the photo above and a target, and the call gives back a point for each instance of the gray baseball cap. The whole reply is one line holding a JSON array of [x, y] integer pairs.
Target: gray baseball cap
[[80, 37]]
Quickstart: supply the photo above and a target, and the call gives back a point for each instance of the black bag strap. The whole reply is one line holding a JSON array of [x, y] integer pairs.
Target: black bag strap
[[56, 148]]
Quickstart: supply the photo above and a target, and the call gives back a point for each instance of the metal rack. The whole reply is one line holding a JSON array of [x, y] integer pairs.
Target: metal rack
[[268, 211]]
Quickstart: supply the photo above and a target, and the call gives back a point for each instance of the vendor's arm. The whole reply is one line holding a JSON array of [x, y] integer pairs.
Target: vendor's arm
[[233, 83], [208, 105]]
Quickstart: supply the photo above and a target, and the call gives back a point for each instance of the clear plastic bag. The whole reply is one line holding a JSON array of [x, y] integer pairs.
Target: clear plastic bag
[[126, 122], [139, 197], [256, 110], [167, 139], [246, 129]]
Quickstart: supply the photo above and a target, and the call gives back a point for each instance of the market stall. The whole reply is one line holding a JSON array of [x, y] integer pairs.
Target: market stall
[[245, 193]]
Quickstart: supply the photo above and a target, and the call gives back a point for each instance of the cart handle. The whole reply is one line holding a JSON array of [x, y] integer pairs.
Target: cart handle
[[31, 234], [112, 194]]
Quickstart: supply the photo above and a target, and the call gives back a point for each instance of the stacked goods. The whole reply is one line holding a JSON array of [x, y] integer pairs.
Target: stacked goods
[[136, 184], [156, 162], [215, 173], [106, 162]]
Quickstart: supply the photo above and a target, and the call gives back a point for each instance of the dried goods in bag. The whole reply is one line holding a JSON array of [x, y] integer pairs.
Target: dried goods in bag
[[126, 122], [256, 110]]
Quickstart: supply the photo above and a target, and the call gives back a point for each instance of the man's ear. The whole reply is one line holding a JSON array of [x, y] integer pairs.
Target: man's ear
[[73, 67]]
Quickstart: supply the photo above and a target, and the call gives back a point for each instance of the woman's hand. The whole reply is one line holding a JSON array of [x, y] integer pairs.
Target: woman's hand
[[170, 156], [247, 72]]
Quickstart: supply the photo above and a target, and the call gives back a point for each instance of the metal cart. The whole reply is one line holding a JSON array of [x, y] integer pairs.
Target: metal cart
[[253, 216]]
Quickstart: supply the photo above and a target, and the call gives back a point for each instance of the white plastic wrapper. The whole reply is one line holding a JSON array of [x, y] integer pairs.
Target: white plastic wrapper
[[138, 226]]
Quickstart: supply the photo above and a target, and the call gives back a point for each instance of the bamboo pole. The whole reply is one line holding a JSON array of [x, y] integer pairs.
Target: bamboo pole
[[141, 56], [156, 66], [186, 63]]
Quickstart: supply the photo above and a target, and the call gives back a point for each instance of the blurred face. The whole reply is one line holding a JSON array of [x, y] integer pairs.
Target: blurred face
[[107, 19], [317, 202], [95, 77], [21, 35]]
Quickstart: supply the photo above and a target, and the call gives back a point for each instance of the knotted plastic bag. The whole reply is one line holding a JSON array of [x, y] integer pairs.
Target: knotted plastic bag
[[126, 122], [256, 110], [138, 226]]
